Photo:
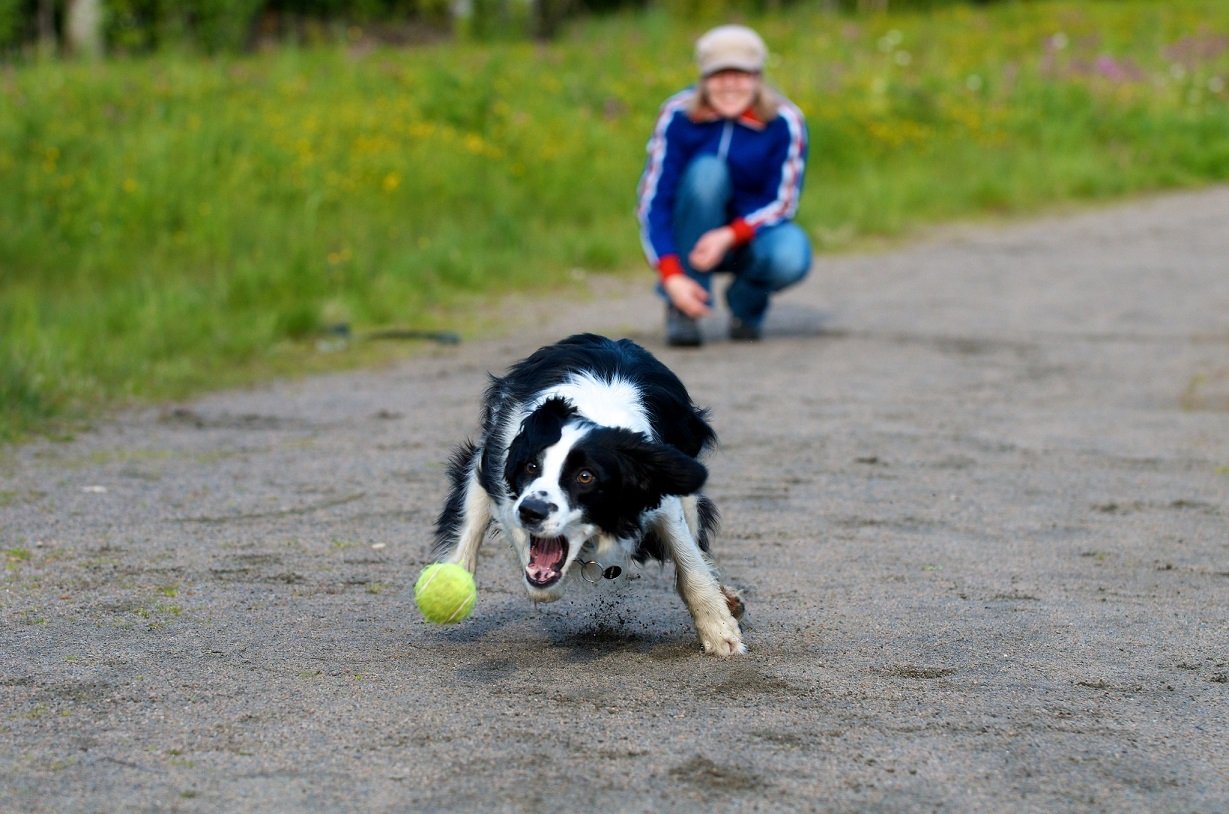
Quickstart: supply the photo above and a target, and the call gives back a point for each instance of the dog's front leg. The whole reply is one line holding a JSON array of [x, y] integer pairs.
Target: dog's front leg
[[477, 518], [698, 586], [466, 516]]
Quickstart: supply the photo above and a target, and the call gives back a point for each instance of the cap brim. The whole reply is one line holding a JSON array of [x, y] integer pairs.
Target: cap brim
[[731, 65]]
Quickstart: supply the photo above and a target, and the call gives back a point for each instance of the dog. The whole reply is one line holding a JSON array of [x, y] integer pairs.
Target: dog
[[586, 461]]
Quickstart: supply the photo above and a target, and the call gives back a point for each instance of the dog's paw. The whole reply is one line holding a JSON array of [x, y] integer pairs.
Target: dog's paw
[[723, 640], [723, 648]]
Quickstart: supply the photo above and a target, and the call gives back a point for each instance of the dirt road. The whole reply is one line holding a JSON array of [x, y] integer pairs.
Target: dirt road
[[974, 489]]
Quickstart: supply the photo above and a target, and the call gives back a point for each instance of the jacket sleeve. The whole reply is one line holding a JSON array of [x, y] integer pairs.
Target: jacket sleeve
[[659, 186], [785, 167]]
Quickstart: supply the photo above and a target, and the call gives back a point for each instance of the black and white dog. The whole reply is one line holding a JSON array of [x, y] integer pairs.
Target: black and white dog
[[586, 460]]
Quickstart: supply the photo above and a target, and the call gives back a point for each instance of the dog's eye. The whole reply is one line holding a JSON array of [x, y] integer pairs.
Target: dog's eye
[[584, 477], [531, 468]]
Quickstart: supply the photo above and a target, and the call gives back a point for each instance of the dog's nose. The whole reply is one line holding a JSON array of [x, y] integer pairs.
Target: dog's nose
[[532, 510]]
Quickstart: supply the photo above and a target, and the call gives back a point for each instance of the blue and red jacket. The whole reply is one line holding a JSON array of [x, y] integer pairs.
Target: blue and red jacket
[[767, 161]]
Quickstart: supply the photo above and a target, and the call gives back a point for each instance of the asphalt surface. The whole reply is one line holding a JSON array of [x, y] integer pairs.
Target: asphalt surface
[[973, 488]]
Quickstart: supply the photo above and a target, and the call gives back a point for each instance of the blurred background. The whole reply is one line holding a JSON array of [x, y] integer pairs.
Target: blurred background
[[202, 194]]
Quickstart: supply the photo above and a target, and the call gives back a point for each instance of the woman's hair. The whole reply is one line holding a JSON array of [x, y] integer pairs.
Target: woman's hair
[[766, 105]]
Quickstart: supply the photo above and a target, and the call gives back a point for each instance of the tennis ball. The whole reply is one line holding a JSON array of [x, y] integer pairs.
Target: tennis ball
[[445, 593]]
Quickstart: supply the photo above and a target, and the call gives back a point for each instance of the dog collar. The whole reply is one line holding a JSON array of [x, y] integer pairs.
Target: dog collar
[[590, 570]]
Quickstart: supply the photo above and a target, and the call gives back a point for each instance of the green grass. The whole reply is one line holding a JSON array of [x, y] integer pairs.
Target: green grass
[[174, 224]]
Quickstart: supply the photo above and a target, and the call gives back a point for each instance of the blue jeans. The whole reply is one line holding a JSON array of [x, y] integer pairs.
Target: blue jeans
[[777, 257]]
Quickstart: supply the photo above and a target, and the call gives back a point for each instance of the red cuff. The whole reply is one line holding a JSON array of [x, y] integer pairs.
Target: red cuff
[[669, 266], [743, 231]]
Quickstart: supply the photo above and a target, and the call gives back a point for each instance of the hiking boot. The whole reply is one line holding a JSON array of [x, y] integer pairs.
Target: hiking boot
[[682, 331], [744, 331]]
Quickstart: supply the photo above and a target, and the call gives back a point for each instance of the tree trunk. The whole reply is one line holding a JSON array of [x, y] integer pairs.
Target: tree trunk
[[83, 28], [45, 12]]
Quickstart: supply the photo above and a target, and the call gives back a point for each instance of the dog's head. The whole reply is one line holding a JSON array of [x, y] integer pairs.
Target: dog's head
[[570, 479]]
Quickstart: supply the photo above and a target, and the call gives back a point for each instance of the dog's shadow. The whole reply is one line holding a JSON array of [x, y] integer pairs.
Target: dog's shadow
[[578, 634], [597, 642]]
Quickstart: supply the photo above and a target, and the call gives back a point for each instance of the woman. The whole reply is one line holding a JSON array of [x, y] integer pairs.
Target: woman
[[720, 187]]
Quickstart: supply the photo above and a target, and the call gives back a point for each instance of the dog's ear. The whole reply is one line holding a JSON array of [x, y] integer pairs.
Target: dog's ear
[[543, 427], [656, 469]]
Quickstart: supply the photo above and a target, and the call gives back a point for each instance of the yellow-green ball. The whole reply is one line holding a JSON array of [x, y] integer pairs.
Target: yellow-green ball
[[445, 593]]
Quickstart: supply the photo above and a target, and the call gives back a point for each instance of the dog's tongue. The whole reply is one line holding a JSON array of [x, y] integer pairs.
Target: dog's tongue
[[546, 555]]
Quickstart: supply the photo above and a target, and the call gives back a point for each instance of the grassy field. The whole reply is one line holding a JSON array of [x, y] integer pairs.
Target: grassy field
[[174, 224]]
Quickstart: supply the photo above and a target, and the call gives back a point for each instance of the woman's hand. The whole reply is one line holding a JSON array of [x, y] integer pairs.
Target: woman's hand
[[710, 248], [687, 295]]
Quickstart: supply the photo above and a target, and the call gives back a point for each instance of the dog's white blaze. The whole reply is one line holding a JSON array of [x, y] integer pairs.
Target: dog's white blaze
[[547, 485], [614, 403]]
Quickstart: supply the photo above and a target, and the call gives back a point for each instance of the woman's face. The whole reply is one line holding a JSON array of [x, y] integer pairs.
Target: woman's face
[[731, 92]]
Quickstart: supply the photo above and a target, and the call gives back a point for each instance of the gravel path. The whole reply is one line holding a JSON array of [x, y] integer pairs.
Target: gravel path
[[974, 489]]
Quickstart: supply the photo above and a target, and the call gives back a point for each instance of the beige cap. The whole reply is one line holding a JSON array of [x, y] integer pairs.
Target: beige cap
[[730, 47]]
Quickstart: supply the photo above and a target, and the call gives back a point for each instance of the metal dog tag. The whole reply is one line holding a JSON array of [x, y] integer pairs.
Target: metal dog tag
[[590, 570]]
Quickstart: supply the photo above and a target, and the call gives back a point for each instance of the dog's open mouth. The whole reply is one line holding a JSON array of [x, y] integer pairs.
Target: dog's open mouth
[[546, 558]]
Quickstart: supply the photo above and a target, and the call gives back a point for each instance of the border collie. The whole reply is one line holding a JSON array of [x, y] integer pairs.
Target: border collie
[[587, 460]]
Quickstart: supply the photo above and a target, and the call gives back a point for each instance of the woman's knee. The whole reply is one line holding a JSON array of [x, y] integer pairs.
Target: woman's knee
[[785, 255], [794, 255], [707, 178]]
